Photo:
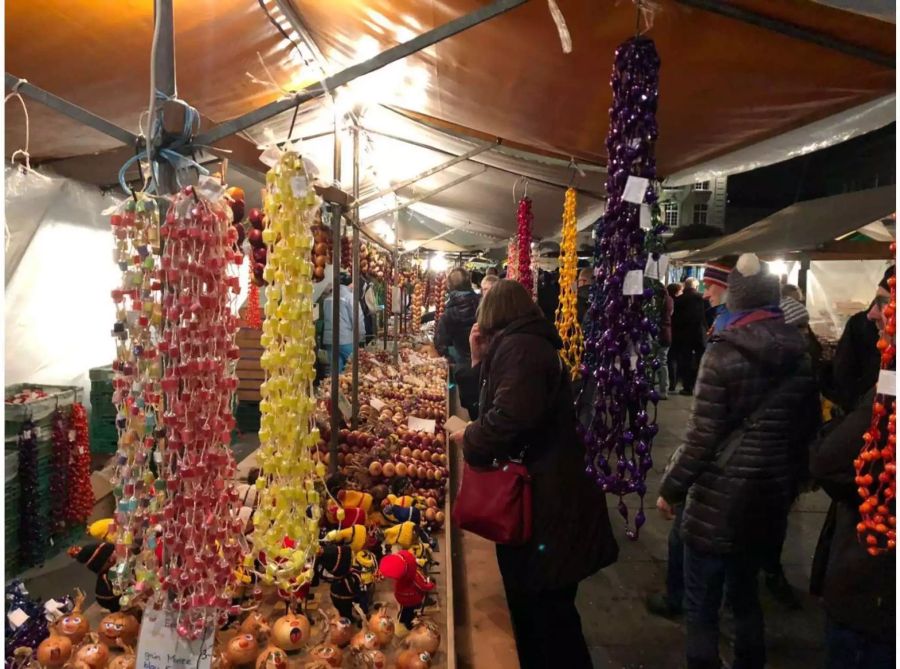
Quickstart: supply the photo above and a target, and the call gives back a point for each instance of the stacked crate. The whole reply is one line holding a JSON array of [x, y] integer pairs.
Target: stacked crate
[[104, 436], [41, 414]]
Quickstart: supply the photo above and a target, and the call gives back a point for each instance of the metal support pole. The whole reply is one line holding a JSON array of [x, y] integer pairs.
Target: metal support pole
[[336, 214], [383, 59], [357, 286], [803, 276], [73, 111], [396, 275], [164, 68]]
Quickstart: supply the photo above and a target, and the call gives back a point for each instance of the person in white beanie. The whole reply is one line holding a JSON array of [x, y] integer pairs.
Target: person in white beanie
[[741, 464]]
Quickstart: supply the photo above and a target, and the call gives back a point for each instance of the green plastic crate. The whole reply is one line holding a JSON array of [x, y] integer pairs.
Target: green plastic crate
[[101, 373]]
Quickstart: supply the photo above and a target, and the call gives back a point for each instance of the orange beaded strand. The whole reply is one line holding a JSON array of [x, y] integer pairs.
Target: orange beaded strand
[[876, 466]]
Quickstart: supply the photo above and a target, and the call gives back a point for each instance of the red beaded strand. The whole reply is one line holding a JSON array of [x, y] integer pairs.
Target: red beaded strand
[[876, 466]]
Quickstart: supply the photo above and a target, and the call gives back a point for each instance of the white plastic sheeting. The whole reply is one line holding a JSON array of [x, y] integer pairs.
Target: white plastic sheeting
[[58, 307], [813, 137], [837, 289]]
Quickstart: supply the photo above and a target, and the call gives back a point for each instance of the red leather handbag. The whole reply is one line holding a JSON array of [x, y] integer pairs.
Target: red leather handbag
[[495, 502]]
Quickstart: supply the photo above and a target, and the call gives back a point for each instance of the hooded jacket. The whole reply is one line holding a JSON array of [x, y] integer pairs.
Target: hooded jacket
[[456, 323], [526, 403], [689, 320], [858, 589], [744, 502]]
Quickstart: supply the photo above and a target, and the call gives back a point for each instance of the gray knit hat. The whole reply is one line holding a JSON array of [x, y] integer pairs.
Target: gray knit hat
[[751, 286]]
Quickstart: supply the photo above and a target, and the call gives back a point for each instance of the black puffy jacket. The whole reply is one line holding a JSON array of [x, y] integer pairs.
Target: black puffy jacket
[[745, 502], [456, 323]]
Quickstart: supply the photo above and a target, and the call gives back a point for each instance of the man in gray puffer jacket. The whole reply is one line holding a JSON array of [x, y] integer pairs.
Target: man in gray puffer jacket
[[755, 377]]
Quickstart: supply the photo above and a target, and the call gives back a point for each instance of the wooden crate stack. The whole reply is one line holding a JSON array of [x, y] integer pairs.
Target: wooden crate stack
[[249, 371]]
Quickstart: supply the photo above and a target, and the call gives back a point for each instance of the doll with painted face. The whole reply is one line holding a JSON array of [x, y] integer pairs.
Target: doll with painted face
[[334, 564], [410, 587]]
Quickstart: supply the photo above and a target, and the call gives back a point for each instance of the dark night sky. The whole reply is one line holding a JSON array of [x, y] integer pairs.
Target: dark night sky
[[862, 162]]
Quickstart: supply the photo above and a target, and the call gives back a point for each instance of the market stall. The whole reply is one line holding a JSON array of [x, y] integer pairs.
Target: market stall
[[230, 234]]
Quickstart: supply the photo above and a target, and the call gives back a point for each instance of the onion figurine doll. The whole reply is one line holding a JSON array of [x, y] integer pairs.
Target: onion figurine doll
[[54, 651]]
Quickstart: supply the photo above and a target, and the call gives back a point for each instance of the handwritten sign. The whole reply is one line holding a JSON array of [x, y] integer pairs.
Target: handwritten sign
[[421, 424], [634, 283], [635, 189], [160, 647]]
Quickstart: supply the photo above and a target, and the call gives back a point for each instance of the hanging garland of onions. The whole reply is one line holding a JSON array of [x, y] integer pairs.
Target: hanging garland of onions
[[523, 259], [287, 434], [876, 466], [618, 350], [567, 313], [80, 493], [59, 468], [31, 520], [441, 297]]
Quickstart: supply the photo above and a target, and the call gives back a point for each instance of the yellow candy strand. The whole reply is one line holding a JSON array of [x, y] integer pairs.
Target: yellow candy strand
[[287, 430], [567, 312]]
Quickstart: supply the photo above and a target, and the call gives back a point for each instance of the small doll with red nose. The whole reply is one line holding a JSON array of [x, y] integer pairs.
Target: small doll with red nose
[[411, 585]]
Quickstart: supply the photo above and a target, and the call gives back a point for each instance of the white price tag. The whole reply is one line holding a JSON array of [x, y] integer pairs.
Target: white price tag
[[887, 383], [160, 646], [636, 189], [421, 424], [657, 269], [270, 156], [377, 404], [16, 618], [646, 218], [634, 283], [210, 188], [299, 186]]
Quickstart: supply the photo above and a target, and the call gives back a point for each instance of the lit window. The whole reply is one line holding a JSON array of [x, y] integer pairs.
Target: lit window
[[701, 185], [671, 212], [700, 212]]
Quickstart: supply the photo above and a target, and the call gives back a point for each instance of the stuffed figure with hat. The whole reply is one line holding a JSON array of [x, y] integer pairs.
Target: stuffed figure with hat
[[402, 514], [99, 558], [366, 565], [405, 535], [410, 585], [334, 564]]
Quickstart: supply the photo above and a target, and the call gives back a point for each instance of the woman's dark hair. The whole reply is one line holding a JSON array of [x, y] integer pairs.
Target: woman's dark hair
[[507, 302], [458, 279]]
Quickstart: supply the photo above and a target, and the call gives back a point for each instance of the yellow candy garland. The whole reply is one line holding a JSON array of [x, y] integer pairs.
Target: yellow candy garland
[[567, 313], [287, 431]]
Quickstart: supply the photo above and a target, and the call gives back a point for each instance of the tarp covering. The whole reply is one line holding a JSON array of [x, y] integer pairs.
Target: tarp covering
[[837, 289], [725, 85], [805, 226]]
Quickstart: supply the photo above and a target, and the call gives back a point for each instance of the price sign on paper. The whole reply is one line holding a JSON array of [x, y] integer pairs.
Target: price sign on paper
[[377, 404], [887, 382], [635, 189], [421, 424], [160, 646], [634, 283], [646, 218]]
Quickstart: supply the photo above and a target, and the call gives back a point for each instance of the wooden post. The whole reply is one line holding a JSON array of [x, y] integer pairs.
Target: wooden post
[[357, 285]]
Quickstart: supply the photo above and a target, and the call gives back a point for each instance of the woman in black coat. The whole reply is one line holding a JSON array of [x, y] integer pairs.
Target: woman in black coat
[[526, 404]]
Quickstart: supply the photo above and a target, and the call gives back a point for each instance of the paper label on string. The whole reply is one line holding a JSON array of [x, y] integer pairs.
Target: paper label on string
[[421, 424], [634, 283], [299, 186], [377, 404], [344, 406], [16, 618], [210, 188], [657, 269], [636, 189], [160, 646], [887, 383], [370, 378], [270, 156], [646, 218]]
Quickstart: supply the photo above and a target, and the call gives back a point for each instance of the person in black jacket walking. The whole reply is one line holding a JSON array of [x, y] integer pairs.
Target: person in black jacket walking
[[858, 589], [451, 337], [755, 392], [689, 333], [526, 404]]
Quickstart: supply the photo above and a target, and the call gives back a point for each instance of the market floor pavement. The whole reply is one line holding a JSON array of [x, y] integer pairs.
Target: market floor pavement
[[623, 635]]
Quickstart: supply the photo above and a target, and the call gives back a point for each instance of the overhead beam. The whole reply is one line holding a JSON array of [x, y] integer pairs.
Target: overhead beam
[[791, 30], [424, 196], [343, 77], [66, 108], [553, 184], [429, 172]]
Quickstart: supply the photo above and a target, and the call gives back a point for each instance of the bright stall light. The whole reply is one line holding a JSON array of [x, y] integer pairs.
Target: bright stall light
[[438, 262], [778, 267], [383, 229]]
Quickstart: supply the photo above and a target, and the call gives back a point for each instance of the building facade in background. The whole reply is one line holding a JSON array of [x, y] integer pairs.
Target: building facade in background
[[702, 203]]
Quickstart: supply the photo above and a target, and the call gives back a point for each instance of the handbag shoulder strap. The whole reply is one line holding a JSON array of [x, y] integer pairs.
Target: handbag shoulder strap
[[770, 400]]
